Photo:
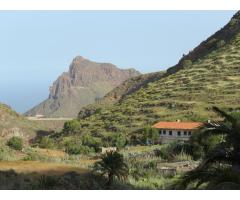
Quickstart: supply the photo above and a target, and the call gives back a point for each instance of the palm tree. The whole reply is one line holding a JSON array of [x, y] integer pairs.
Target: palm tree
[[220, 168], [112, 164]]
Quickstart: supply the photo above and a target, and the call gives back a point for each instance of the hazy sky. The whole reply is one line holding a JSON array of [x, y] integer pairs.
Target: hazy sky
[[36, 47]]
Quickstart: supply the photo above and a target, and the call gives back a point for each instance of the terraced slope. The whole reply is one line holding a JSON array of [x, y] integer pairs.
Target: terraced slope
[[207, 76]]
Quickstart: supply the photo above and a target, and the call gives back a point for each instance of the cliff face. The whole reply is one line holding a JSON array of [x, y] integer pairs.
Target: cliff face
[[83, 84]]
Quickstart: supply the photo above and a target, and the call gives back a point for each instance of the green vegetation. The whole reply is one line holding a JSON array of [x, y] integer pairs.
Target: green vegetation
[[150, 135], [208, 76], [15, 143], [71, 127], [220, 167], [47, 143], [112, 164]]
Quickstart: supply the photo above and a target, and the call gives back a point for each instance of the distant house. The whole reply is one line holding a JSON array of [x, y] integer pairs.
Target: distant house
[[172, 131]]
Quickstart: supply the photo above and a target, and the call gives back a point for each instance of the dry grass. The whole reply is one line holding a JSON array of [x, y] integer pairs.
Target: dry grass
[[40, 167], [50, 152]]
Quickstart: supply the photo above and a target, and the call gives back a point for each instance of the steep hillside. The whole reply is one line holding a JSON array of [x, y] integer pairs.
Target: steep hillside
[[209, 75], [13, 124], [84, 83]]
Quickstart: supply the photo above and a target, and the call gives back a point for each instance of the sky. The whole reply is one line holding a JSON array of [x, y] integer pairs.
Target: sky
[[37, 46]]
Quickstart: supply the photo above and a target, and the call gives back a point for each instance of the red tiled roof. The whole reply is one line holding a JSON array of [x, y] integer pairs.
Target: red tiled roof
[[178, 125]]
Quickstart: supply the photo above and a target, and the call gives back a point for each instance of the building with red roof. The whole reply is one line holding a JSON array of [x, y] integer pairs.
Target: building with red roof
[[171, 131]]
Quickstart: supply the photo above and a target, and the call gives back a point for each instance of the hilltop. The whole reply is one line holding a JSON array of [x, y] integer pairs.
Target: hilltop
[[209, 75], [86, 82]]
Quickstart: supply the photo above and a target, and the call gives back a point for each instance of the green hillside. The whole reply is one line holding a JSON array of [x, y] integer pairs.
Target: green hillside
[[209, 75]]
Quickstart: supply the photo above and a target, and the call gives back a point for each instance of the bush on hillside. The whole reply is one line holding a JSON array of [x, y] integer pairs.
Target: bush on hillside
[[91, 142], [220, 43], [78, 149], [187, 63], [119, 140], [71, 127], [46, 143], [15, 143]]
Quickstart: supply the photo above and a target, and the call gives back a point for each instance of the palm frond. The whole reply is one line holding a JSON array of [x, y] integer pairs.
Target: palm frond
[[224, 115]]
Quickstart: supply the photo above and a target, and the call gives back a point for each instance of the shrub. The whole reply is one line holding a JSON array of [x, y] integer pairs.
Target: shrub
[[79, 149], [151, 165], [7, 154], [71, 127], [47, 143], [168, 151], [187, 63], [220, 43], [91, 142], [15, 143], [182, 157], [119, 140]]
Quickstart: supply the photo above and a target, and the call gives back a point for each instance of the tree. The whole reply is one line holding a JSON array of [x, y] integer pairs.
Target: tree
[[71, 127], [113, 166], [202, 145], [15, 143], [220, 168], [150, 135]]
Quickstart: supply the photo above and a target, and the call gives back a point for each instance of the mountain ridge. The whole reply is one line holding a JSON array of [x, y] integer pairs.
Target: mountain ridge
[[84, 83], [223, 35]]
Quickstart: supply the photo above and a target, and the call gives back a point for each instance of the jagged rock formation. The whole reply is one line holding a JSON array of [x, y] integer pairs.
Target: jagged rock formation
[[84, 83]]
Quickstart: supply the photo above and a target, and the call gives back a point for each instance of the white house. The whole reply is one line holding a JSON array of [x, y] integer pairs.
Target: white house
[[172, 131]]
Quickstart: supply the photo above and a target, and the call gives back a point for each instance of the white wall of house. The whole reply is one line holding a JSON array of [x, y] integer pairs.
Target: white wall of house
[[168, 135]]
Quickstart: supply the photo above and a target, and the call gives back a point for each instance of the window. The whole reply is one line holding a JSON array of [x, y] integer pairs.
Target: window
[[189, 133], [170, 132], [160, 132], [179, 133], [164, 132], [185, 133]]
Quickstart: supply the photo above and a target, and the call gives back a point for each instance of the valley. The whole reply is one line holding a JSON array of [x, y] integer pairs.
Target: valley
[[103, 127]]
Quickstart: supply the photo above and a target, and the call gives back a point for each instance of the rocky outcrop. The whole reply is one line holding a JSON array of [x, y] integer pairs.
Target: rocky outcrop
[[13, 124], [84, 83]]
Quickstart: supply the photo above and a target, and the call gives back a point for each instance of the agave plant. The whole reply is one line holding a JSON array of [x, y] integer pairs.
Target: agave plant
[[113, 166], [220, 168]]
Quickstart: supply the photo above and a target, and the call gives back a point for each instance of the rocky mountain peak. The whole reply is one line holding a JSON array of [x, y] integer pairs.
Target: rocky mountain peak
[[84, 82]]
